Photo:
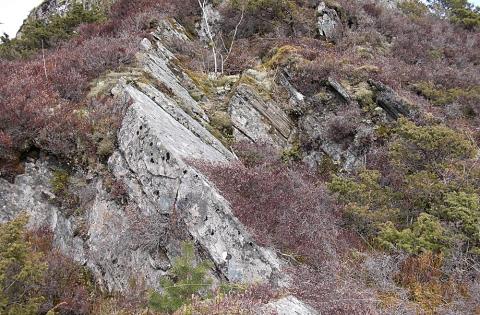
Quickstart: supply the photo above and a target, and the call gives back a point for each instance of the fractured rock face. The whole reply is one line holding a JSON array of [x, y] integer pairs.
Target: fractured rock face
[[258, 118], [390, 101], [329, 23], [152, 146], [169, 201], [31, 194]]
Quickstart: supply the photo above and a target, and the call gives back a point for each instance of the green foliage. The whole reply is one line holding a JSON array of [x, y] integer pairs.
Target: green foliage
[[59, 181], [292, 154], [462, 209], [367, 203], [432, 148], [467, 17], [221, 121], [21, 270], [186, 281], [425, 196], [414, 8], [439, 96], [36, 34], [458, 11], [426, 234]]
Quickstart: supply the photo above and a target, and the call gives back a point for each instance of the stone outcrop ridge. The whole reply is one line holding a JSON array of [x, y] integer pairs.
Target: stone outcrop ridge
[[169, 200]]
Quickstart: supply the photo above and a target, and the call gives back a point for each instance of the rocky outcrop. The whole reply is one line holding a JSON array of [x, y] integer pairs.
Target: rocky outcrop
[[49, 8], [288, 305], [256, 115], [337, 87], [31, 193], [167, 200], [152, 149], [329, 23]]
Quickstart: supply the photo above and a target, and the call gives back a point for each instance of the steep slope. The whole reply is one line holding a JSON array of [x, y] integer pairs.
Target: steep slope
[[327, 165], [156, 140]]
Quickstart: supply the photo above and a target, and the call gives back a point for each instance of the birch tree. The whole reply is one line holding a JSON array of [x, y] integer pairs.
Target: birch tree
[[220, 51]]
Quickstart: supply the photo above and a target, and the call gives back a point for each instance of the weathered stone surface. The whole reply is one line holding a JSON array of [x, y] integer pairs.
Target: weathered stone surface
[[150, 93], [330, 109], [329, 24], [347, 154], [288, 305], [298, 98], [161, 186], [158, 62], [31, 194], [169, 201], [337, 87], [258, 120], [153, 145]]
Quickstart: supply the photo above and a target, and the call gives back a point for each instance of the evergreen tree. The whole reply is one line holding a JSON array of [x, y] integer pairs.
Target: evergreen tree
[[185, 281]]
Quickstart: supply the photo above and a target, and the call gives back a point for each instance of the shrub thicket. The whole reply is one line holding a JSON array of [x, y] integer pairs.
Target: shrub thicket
[[425, 200], [22, 270]]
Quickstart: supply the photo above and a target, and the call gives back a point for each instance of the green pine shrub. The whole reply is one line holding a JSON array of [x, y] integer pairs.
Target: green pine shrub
[[426, 234], [441, 96], [21, 270], [60, 181], [186, 281], [432, 148], [414, 8], [424, 199]]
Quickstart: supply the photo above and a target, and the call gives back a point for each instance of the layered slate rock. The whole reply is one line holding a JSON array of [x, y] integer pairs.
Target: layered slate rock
[[153, 147], [390, 101], [258, 118]]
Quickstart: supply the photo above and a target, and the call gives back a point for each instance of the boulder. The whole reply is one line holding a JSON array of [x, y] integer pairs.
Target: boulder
[[329, 23]]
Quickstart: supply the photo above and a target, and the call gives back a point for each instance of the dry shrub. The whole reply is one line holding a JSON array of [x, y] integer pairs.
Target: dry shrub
[[235, 301], [334, 290], [38, 98], [428, 285], [37, 103], [284, 206], [343, 128]]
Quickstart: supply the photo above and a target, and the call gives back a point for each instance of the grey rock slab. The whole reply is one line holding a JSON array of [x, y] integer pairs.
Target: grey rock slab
[[258, 120], [288, 305], [154, 145], [157, 63], [390, 101]]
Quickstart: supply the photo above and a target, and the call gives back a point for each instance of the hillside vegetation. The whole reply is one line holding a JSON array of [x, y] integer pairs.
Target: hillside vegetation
[[396, 233]]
